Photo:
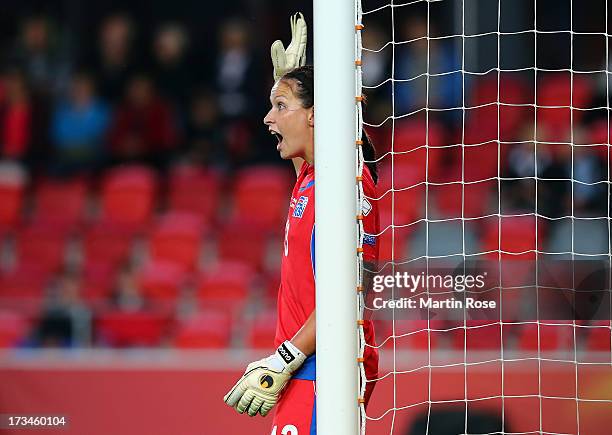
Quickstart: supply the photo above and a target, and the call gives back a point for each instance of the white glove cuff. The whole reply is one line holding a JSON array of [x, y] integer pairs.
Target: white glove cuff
[[292, 357]]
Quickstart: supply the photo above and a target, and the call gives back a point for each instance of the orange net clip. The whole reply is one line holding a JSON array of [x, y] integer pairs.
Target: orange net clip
[[359, 27], [360, 400], [359, 288], [359, 178], [360, 359], [360, 322], [359, 217], [358, 142], [358, 62], [359, 250], [359, 98]]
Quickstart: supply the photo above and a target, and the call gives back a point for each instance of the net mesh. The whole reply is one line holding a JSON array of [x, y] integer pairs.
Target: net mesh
[[492, 125]]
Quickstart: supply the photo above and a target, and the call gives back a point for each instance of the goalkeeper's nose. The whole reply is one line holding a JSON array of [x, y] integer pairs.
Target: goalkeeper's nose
[[268, 118]]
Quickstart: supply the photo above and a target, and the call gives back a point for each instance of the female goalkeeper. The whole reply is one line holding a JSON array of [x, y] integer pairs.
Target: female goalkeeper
[[291, 369]]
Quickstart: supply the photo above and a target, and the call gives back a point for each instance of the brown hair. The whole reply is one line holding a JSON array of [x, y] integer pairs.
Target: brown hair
[[303, 78]]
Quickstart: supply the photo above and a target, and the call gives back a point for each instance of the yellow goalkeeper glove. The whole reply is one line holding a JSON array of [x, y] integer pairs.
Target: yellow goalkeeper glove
[[295, 55], [259, 388]]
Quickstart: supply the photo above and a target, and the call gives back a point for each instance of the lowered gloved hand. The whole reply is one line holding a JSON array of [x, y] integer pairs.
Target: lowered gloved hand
[[259, 388]]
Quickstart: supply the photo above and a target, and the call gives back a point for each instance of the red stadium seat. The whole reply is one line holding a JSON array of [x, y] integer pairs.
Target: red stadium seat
[[556, 90], [487, 123], [98, 281], [261, 198], [195, 190], [23, 287], [161, 280], [479, 335], [467, 200], [478, 161], [414, 333], [392, 242], [41, 245], [518, 236], [226, 282], [12, 185], [599, 132], [242, 243], [128, 196], [177, 238], [551, 337], [106, 243], [60, 204], [517, 244], [207, 329], [411, 138], [400, 189], [14, 328], [599, 337], [509, 90], [132, 328], [271, 285], [400, 203], [262, 330]]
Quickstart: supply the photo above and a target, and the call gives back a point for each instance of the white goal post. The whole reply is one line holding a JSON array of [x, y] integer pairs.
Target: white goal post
[[335, 212]]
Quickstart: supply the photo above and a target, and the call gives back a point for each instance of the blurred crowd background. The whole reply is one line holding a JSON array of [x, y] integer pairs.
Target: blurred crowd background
[[142, 200], [118, 123]]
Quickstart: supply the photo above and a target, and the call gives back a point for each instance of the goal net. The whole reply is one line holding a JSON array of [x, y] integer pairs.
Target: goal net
[[491, 301]]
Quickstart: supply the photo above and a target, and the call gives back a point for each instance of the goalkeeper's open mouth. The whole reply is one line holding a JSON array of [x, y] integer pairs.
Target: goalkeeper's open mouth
[[279, 138]]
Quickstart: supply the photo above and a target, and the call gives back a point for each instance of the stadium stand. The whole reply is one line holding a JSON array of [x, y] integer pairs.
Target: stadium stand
[[200, 225]]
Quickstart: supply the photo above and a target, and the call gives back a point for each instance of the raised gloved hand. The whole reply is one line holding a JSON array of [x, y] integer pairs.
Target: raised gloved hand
[[295, 55], [259, 388]]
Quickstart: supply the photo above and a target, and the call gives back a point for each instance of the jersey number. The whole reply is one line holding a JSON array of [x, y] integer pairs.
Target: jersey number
[[287, 238], [287, 430]]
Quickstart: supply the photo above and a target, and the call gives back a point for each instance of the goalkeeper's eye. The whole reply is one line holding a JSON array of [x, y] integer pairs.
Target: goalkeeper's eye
[[280, 106]]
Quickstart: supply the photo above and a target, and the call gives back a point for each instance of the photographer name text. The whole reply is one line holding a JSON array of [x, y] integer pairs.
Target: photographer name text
[[423, 282]]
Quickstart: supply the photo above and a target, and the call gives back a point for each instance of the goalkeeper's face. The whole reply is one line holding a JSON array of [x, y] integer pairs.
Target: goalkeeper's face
[[290, 122]]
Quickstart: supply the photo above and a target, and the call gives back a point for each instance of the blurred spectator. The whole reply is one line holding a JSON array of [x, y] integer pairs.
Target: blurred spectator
[[240, 92], [422, 55], [375, 63], [376, 67], [78, 129], [66, 320], [237, 76], [126, 295], [15, 117], [554, 183], [518, 194], [144, 129], [114, 60], [171, 70], [590, 191], [37, 54], [205, 140]]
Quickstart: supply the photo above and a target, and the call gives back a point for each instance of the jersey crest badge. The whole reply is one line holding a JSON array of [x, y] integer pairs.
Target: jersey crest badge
[[369, 239], [298, 212]]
